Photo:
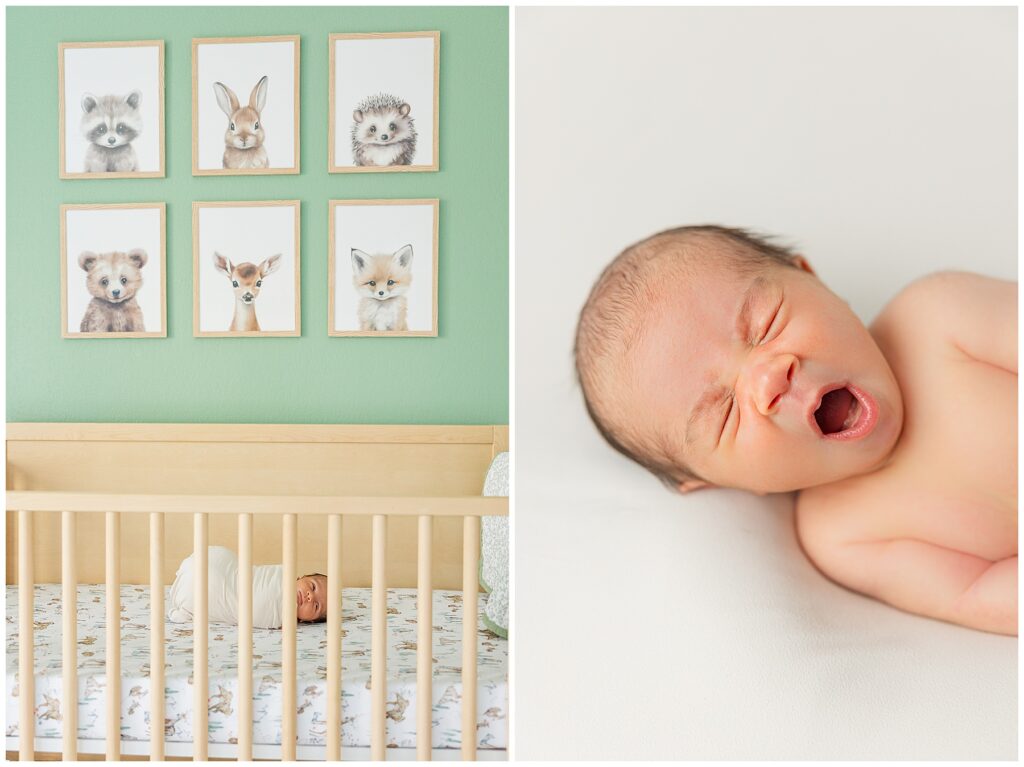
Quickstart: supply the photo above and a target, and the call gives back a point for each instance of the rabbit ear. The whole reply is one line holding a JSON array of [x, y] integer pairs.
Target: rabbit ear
[[89, 102], [270, 265], [359, 260], [404, 110], [403, 255], [258, 97], [226, 98], [133, 99], [222, 264]]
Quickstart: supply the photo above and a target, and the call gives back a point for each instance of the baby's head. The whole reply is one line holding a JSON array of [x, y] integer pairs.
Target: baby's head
[[311, 598], [715, 358]]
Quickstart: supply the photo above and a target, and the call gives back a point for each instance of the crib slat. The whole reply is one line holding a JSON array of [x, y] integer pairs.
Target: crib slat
[[156, 637], [245, 637], [470, 587], [200, 638], [424, 641], [288, 619], [113, 692], [334, 637], [26, 640], [69, 631], [379, 638]]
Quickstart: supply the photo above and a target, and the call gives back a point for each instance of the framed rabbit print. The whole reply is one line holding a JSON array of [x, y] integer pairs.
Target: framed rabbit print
[[245, 105]]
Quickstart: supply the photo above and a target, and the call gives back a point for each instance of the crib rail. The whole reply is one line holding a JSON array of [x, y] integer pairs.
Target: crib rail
[[156, 505]]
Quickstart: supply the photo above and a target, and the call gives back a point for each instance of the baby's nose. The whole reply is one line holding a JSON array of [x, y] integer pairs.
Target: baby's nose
[[772, 379]]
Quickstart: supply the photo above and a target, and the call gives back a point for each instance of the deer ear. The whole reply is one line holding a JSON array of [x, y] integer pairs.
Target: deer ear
[[222, 264], [359, 260], [270, 265], [403, 256]]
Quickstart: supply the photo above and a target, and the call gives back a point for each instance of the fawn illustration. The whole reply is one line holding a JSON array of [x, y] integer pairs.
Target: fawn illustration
[[246, 280]]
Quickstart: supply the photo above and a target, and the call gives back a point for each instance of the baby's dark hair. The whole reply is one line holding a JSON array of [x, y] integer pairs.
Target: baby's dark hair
[[611, 323], [322, 618]]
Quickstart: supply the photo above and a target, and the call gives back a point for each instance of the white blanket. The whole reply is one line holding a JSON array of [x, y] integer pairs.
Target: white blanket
[[223, 591]]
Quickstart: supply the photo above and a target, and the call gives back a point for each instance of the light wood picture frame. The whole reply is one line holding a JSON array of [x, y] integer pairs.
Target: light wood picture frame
[[116, 245], [397, 85], [384, 238], [256, 241], [110, 104], [237, 84]]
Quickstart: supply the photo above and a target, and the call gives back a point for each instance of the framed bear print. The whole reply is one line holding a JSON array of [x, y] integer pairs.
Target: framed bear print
[[383, 110], [113, 271], [382, 272], [111, 109], [245, 105], [246, 268]]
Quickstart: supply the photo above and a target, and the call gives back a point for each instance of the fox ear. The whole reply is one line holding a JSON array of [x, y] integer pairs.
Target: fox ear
[[226, 99], [133, 99], [270, 265], [357, 116], [359, 260], [138, 257], [222, 264], [403, 256], [89, 102], [404, 110], [87, 260]]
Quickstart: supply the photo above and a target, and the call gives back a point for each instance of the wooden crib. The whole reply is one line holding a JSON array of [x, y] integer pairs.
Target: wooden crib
[[409, 498]]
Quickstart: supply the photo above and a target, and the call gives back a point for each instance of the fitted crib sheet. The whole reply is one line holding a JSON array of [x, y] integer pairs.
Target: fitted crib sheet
[[311, 702]]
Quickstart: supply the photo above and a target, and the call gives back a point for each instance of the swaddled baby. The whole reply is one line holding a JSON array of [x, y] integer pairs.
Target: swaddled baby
[[222, 582], [715, 358]]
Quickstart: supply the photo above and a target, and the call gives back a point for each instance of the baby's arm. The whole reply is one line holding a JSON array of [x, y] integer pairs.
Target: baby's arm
[[931, 580]]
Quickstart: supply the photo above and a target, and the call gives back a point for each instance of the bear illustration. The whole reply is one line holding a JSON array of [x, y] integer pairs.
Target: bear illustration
[[113, 280]]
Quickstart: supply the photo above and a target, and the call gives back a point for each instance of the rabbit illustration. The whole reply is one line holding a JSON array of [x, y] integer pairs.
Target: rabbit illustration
[[243, 140]]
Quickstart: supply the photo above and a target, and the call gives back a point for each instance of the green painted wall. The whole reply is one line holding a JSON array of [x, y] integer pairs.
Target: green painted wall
[[460, 377]]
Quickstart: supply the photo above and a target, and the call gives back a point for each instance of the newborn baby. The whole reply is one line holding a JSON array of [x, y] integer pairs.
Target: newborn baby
[[715, 358], [222, 581]]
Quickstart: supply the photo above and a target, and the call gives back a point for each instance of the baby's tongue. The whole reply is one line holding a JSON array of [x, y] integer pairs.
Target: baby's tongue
[[835, 407]]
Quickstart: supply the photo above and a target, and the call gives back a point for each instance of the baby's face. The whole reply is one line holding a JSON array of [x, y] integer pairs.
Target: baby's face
[[311, 597], [767, 383]]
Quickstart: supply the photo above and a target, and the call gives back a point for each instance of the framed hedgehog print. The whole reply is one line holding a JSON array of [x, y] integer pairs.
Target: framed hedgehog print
[[111, 109], [113, 271], [245, 268], [245, 105], [382, 272], [383, 111]]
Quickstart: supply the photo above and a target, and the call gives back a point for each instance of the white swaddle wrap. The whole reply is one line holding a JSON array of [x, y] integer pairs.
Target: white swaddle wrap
[[223, 591]]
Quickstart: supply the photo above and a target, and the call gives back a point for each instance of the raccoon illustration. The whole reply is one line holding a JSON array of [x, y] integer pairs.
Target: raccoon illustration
[[110, 124], [382, 132]]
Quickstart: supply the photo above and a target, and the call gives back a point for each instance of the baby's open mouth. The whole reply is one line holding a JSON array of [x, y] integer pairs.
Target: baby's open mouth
[[846, 412]]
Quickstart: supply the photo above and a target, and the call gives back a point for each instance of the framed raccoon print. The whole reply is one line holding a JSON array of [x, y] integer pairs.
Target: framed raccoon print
[[383, 111], [245, 268], [245, 105], [111, 109], [113, 271], [382, 272]]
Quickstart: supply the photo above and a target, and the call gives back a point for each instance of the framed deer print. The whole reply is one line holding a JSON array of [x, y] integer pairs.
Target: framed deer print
[[245, 261]]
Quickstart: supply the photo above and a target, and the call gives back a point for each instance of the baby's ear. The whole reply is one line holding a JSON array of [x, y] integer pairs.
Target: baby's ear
[[802, 263], [689, 485]]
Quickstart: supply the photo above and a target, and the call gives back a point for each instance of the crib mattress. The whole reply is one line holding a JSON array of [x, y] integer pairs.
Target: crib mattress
[[311, 642]]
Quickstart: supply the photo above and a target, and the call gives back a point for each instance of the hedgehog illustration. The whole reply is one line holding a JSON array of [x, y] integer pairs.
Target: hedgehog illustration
[[383, 133]]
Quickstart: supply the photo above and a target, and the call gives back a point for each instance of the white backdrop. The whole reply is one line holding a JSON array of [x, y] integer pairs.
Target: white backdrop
[[880, 141], [247, 234], [112, 71], [103, 231], [403, 68], [378, 229], [240, 66]]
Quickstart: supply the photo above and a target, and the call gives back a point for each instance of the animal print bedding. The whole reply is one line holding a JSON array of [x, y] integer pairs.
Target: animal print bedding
[[492, 666]]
